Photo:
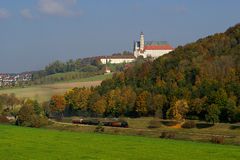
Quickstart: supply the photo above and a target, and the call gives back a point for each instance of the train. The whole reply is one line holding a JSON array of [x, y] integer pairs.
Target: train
[[111, 123]]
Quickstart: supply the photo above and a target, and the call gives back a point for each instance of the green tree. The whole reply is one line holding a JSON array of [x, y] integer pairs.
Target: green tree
[[158, 102], [213, 113]]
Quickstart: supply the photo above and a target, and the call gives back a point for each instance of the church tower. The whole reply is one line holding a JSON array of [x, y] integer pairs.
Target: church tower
[[141, 41]]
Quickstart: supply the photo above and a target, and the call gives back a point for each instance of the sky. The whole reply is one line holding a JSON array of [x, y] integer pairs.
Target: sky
[[34, 33]]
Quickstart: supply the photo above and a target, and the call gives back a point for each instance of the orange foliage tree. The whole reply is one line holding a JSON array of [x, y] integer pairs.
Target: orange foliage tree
[[57, 104]]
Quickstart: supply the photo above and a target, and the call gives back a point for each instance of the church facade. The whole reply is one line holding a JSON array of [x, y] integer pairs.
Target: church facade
[[142, 48], [152, 49]]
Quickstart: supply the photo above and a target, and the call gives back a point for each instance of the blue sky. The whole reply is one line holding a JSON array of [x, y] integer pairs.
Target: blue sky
[[34, 33]]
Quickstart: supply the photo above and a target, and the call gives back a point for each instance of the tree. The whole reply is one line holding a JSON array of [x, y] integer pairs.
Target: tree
[[27, 115], [213, 113], [99, 106], [158, 103], [78, 98], [37, 108], [127, 100], [178, 110], [143, 103], [113, 106], [57, 105]]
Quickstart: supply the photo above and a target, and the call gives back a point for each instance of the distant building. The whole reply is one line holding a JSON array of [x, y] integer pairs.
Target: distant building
[[117, 59], [152, 49], [107, 70], [142, 48]]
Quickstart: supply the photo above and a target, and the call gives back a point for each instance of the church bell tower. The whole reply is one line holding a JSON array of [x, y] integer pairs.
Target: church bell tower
[[141, 41]]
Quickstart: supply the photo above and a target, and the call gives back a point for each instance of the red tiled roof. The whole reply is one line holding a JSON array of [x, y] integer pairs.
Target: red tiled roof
[[158, 47]]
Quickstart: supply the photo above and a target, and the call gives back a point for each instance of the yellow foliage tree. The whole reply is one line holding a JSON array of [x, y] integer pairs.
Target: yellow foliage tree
[[178, 110], [142, 103], [99, 106], [78, 98]]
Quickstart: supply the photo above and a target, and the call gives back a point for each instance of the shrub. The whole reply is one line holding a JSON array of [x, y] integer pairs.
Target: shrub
[[217, 139], [28, 118], [189, 124], [235, 126], [169, 122], [3, 119], [99, 129], [154, 124], [204, 125], [170, 135]]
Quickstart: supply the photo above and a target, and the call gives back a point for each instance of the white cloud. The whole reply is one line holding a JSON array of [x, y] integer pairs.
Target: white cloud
[[4, 13], [26, 13], [58, 7]]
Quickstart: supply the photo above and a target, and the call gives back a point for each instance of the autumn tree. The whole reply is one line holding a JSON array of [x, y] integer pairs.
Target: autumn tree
[[143, 102], [113, 102], [178, 110], [158, 102], [57, 105], [99, 106], [77, 98], [28, 115], [127, 99]]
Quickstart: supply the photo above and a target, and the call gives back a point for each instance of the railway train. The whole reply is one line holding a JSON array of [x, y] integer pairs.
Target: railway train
[[111, 123]]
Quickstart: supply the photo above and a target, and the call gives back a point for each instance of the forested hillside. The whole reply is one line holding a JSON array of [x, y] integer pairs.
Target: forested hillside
[[75, 69], [199, 81]]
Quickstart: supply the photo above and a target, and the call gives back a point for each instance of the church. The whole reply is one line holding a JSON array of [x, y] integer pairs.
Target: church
[[152, 49], [142, 48]]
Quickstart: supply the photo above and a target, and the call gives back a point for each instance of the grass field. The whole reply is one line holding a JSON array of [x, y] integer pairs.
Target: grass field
[[44, 92], [18, 143]]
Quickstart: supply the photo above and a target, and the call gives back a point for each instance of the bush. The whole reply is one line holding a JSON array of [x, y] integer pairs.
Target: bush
[[169, 122], [99, 129], [170, 135], [154, 124], [217, 139], [204, 125], [3, 119], [34, 121], [235, 126], [28, 118], [189, 124]]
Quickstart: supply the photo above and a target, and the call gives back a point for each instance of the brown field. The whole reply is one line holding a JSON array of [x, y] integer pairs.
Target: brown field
[[44, 92]]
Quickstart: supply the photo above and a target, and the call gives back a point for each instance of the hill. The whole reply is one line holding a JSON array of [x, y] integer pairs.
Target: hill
[[200, 80], [18, 142]]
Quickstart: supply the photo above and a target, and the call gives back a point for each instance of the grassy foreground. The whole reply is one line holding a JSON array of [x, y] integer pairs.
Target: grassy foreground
[[44, 92], [27, 143]]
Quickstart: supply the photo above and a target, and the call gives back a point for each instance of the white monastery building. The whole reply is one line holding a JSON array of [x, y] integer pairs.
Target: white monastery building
[[142, 48]]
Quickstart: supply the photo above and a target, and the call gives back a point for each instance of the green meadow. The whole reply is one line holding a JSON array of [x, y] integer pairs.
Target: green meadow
[[19, 143]]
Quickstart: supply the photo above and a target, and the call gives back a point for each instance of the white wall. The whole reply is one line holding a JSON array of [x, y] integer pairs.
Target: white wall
[[116, 60]]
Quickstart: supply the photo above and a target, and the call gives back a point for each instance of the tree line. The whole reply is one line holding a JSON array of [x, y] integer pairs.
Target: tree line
[[86, 67]]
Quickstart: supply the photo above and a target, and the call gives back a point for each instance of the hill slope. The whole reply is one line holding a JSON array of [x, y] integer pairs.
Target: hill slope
[[204, 76]]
